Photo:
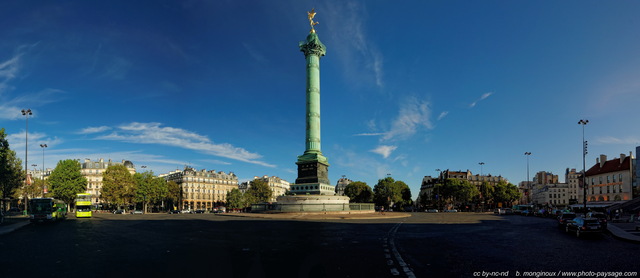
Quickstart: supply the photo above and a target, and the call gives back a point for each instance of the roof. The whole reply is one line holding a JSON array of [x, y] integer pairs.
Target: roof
[[610, 166]]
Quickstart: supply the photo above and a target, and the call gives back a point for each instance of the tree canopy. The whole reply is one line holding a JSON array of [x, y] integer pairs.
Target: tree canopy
[[358, 192], [118, 185], [258, 192], [11, 172], [389, 192], [66, 180], [236, 200], [149, 188]]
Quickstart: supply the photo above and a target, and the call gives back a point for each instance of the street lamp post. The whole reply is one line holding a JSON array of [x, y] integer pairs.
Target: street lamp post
[[438, 189], [529, 189], [43, 146], [482, 184], [584, 171], [26, 113]]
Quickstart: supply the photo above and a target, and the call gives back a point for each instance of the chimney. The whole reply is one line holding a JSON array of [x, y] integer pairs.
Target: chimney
[[622, 157], [603, 159]]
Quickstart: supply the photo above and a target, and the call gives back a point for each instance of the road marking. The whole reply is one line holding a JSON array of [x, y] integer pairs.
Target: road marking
[[405, 268]]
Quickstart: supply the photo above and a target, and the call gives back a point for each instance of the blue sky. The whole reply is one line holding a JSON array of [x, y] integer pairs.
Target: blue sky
[[407, 87]]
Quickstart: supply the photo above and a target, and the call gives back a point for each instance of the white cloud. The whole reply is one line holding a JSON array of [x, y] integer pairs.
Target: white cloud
[[360, 57], [618, 141], [384, 150], [91, 130], [413, 114], [369, 134], [483, 97], [154, 133], [442, 115]]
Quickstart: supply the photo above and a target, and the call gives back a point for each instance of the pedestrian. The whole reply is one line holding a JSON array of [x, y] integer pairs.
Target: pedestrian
[[382, 210]]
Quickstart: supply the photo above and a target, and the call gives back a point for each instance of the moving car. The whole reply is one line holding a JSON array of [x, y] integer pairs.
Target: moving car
[[582, 226]]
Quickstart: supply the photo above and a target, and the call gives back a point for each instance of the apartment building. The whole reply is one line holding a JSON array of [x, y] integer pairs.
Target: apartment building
[[610, 180], [93, 170], [202, 189]]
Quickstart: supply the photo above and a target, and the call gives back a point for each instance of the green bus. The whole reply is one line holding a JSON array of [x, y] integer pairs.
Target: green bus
[[83, 205], [47, 210]]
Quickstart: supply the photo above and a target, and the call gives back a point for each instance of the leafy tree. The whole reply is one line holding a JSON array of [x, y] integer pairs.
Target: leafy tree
[[149, 189], [258, 192], [118, 185], [174, 193], [66, 180], [465, 191], [35, 189], [506, 193], [358, 192], [389, 192], [236, 200], [11, 173]]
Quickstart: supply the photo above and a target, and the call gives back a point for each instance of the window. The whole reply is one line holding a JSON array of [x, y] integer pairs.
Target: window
[[608, 181]]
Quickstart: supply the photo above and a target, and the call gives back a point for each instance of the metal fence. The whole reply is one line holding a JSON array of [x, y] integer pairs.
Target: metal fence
[[351, 207]]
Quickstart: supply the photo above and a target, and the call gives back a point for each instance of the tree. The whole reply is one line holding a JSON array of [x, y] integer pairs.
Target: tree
[[388, 192], [358, 192], [35, 189], [66, 180], [118, 185], [258, 192], [149, 189], [174, 193], [236, 200], [506, 193], [11, 173]]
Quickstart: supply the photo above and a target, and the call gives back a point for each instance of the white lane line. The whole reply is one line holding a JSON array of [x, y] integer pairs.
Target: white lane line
[[405, 268]]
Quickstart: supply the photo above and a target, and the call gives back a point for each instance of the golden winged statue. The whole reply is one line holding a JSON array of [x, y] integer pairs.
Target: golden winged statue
[[311, 15]]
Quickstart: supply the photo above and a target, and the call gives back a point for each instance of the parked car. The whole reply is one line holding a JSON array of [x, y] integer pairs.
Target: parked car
[[526, 212], [582, 226], [138, 211], [450, 210], [564, 218], [186, 211], [602, 218], [431, 210], [199, 211], [174, 211], [118, 211]]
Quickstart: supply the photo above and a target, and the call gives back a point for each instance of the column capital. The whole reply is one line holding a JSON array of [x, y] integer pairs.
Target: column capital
[[313, 46]]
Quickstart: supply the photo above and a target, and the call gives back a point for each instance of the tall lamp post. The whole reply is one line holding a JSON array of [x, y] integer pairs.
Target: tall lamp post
[[43, 146], [26, 113], [482, 185], [528, 185], [584, 171], [438, 189]]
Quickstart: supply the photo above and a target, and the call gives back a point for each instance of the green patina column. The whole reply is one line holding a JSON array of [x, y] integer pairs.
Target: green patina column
[[313, 49], [312, 165]]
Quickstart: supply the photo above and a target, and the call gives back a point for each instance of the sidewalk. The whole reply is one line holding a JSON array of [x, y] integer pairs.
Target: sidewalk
[[12, 223], [625, 231]]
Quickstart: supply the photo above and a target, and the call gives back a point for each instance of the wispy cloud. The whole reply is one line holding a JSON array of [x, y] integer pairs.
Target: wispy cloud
[[384, 150], [442, 115], [369, 134], [92, 130], [413, 114], [154, 133], [483, 97], [360, 57], [618, 141]]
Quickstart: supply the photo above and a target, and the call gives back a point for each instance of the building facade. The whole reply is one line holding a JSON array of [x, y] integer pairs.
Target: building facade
[[576, 190], [610, 180], [202, 189], [278, 186], [342, 183], [93, 170]]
